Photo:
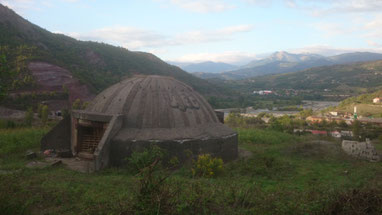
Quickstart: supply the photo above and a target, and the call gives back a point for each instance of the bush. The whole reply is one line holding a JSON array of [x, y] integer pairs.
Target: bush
[[44, 114], [141, 160], [29, 117], [207, 166], [7, 124], [154, 195], [357, 201]]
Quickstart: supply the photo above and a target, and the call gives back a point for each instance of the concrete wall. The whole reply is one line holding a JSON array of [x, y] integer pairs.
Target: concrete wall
[[364, 150], [220, 115], [102, 153], [225, 148], [58, 138], [78, 116]]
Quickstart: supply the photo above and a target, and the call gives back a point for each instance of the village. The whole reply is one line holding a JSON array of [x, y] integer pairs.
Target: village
[[317, 119]]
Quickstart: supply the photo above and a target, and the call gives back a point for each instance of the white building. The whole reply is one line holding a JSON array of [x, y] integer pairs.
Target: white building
[[377, 100]]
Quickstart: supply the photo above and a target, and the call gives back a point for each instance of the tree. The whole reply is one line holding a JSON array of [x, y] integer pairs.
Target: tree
[[6, 76], [13, 68], [44, 114], [356, 128], [29, 117], [305, 113], [39, 110], [76, 104]]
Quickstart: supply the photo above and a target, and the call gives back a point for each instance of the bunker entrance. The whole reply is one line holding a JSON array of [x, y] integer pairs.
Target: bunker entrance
[[89, 135]]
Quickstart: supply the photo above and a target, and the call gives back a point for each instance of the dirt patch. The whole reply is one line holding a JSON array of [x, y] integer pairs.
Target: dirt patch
[[75, 163], [6, 113], [244, 153], [50, 77]]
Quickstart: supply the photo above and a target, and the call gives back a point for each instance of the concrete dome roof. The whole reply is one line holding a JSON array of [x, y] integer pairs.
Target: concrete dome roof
[[159, 108]]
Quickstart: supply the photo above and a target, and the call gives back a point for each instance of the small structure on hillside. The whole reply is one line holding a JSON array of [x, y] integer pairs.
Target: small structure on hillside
[[263, 92], [377, 100], [135, 113], [363, 150]]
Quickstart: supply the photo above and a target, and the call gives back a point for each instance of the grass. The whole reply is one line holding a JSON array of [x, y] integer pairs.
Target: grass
[[363, 109], [286, 174]]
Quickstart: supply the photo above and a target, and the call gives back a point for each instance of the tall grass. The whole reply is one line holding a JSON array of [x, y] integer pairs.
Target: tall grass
[[259, 136], [15, 142], [284, 175]]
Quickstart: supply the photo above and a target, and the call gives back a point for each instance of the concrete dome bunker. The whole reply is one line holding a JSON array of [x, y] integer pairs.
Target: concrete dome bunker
[[137, 112]]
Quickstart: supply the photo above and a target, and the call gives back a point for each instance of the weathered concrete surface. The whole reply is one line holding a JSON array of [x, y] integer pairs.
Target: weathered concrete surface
[[76, 164], [143, 110], [220, 115], [159, 108], [102, 153], [223, 147], [363, 150], [58, 138]]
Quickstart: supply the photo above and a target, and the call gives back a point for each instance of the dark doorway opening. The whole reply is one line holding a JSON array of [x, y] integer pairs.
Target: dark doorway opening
[[88, 138]]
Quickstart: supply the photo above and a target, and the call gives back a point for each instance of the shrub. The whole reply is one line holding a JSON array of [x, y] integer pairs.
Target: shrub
[[154, 195], [356, 201], [76, 104], [207, 166], [44, 114], [141, 160], [29, 117]]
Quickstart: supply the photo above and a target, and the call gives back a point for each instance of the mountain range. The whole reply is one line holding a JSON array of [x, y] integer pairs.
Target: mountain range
[[350, 79], [284, 62], [208, 67], [83, 68]]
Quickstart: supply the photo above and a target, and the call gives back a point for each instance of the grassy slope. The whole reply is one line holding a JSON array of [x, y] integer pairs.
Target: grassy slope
[[284, 176], [364, 104]]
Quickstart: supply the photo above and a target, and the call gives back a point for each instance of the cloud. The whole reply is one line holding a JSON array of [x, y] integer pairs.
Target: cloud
[[328, 7], [374, 44], [335, 29], [19, 5], [358, 5], [223, 34], [138, 39], [327, 50], [128, 37], [200, 6], [233, 57], [373, 27]]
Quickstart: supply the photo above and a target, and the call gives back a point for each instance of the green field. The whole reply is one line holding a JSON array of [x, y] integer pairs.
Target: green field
[[282, 174]]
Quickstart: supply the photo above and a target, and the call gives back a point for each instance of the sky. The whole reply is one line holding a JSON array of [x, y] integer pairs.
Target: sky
[[231, 31]]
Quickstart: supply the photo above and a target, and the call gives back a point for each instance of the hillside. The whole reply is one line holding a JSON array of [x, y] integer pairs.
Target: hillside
[[284, 62], [342, 78], [90, 66], [364, 104]]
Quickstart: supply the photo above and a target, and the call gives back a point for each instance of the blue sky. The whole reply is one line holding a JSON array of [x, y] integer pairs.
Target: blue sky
[[233, 31]]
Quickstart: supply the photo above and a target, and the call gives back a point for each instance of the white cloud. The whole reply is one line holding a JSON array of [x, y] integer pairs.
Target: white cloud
[[326, 7], [373, 28], [200, 6], [19, 5], [194, 37], [327, 50], [374, 44], [132, 38], [233, 57], [138, 39], [335, 29]]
